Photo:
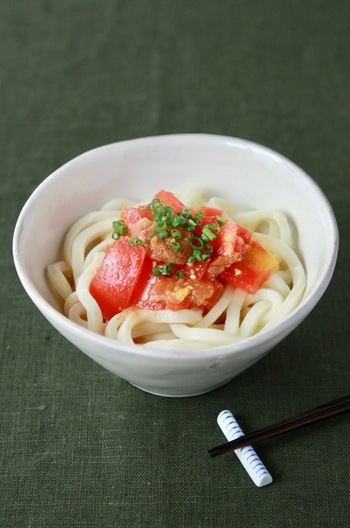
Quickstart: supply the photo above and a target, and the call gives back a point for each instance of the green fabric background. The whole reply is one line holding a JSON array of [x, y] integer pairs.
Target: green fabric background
[[80, 447]]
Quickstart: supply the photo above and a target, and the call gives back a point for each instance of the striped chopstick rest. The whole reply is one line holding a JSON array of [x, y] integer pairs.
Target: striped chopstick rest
[[247, 455]]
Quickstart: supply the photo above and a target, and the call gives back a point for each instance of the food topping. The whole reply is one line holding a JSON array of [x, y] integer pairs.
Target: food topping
[[167, 256]]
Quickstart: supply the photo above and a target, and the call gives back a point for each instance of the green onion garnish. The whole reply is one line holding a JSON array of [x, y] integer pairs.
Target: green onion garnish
[[196, 243], [210, 231], [161, 231], [175, 246], [135, 241], [175, 233], [207, 249], [167, 223], [178, 221], [163, 269], [119, 229], [221, 220]]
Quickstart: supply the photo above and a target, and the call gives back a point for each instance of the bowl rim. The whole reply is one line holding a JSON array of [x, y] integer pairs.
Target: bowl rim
[[284, 326]]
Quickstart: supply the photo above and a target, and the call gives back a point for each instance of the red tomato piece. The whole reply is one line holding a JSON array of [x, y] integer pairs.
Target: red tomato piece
[[115, 281], [243, 239], [160, 293], [170, 200], [217, 291], [226, 238], [207, 219], [244, 233], [211, 211], [131, 215], [142, 296], [232, 234], [172, 293], [193, 271], [250, 273]]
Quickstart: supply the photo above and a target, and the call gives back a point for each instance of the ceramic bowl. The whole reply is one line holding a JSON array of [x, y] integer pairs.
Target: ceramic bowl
[[236, 169]]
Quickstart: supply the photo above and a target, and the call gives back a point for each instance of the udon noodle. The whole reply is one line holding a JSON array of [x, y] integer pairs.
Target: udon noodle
[[235, 316]]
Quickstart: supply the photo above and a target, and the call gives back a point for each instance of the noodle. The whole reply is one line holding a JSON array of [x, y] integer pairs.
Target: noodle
[[236, 315]]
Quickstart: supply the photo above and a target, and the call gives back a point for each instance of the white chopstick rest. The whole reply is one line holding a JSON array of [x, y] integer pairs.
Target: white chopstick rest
[[248, 457]]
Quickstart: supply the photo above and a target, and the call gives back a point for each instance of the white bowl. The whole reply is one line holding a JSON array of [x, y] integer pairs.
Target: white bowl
[[240, 171]]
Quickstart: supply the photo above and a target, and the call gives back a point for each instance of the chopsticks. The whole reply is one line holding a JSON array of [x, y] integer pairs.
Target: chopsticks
[[289, 424]]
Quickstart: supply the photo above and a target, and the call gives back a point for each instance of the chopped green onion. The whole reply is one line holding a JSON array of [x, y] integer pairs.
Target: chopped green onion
[[204, 257], [176, 246], [187, 213], [119, 229], [196, 242], [156, 205], [221, 220], [192, 259], [207, 249], [163, 269], [178, 220], [210, 231], [191, 224], [135, 241], [179, 274], [175, 233], [161, 231]]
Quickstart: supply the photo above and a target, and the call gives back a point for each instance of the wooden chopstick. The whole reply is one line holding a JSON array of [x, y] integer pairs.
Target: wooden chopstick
[[295, 422]]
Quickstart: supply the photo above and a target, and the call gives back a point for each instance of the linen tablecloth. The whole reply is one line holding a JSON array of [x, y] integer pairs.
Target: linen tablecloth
[[79, 446]]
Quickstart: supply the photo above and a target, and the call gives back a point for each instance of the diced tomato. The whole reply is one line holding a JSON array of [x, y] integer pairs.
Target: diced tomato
[[253, 271], [244, 233], [212, 300], [131, 215], [115, 281], [226, 237], [175, 294], [243, 239], [142, 296], [170, 199], [211, 211], [160, 293], [147, 299], [232, 234], [193, 271], [125, 277], [209, 219]]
